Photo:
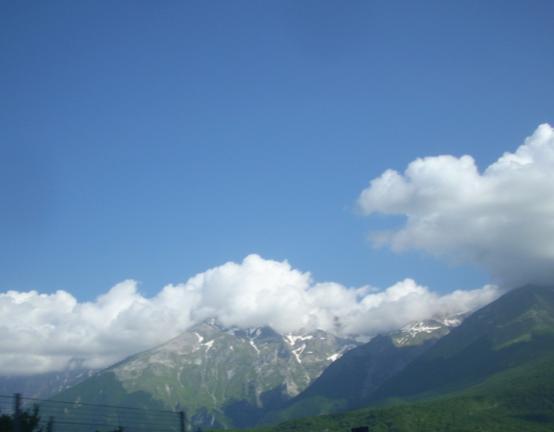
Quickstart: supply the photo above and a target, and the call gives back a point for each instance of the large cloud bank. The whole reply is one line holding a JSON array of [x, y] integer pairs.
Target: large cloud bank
[[43, 332], [501, 219]]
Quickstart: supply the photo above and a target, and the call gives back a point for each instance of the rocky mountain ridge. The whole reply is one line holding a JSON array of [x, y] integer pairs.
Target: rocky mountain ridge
[[222, 376]]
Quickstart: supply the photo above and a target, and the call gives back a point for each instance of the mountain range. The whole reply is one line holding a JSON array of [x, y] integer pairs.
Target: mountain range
[[221, 376], [349, 382], [48, 384], [494, 372], [491, 370]]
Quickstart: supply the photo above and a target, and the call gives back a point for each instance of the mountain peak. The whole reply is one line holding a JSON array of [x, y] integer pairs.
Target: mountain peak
[[417, 332], [223, 376]]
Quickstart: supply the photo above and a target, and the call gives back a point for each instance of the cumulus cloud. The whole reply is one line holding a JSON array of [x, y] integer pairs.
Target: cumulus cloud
[[501, 219], [44, 332]]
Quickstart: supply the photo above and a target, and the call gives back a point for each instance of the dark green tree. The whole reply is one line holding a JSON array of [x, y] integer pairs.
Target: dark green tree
[[29, 421]]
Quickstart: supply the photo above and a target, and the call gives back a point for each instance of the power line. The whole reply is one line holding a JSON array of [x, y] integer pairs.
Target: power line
[[90, 417]]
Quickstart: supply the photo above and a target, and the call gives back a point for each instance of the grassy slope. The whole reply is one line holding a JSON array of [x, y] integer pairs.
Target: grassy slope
[[358, 373], [516, 329], [494, 373], [518, 399]]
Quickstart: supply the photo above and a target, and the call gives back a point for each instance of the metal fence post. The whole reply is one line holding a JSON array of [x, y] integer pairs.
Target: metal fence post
[[50, 424], [17, 412], [183, 421]]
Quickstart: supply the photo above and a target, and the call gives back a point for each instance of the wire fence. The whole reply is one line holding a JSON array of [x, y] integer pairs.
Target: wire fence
[[63, 416]]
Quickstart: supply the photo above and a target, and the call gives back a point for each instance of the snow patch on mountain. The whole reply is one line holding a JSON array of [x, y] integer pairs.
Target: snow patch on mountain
[[253, 345], [209, 345], [334, 357], [293, 339], [453, 321], [417, 332], [298, 352], [420, 327]]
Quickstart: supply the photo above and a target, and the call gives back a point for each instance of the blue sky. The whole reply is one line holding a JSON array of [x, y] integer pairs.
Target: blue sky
[[154, 140]]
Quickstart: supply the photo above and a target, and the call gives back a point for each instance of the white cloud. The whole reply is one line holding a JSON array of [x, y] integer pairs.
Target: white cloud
[[501, 219], [42, 332]]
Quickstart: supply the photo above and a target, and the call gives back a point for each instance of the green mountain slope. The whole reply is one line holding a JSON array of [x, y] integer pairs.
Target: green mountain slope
[[515, 400], [220, 376], [358, 373], [495, 372], [515, 329]]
